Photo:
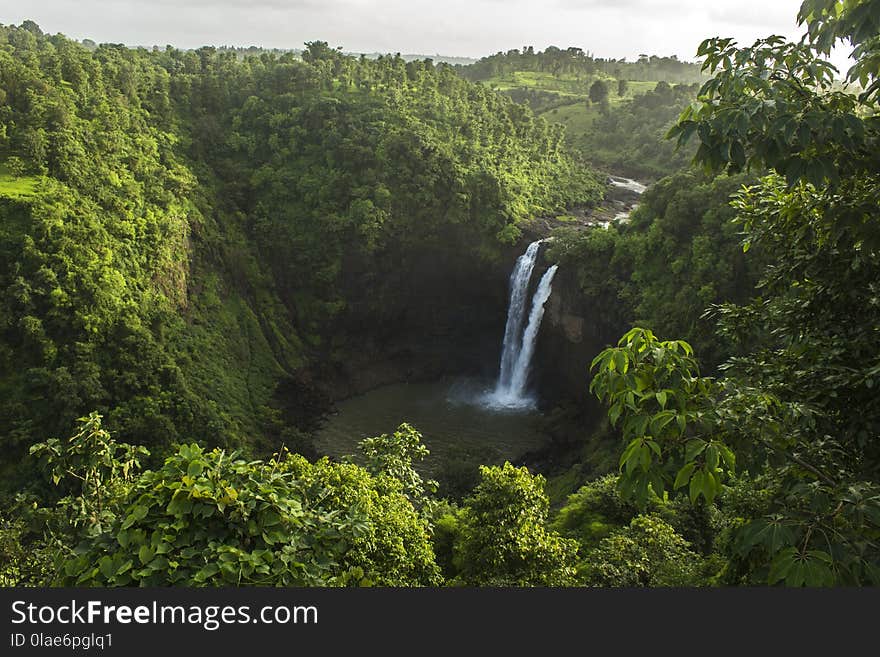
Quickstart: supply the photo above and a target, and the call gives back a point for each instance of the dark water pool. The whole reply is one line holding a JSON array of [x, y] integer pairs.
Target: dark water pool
[[453, 423]]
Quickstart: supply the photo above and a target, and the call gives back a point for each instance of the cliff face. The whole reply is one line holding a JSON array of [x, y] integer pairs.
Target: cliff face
[[442, 313], [432, 313], [574, 331], [578, 324]]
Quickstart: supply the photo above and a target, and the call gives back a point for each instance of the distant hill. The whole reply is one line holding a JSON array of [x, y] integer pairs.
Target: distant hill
[[576, 62], [437, 59], [243, 51]]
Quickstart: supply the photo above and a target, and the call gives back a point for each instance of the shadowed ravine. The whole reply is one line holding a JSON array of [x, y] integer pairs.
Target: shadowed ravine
[[462, 416]]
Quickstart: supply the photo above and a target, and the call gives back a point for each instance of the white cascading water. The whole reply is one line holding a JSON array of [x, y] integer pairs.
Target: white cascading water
[[629, 183], [633, 186], [516, 312], [519, 346], [530, 337]]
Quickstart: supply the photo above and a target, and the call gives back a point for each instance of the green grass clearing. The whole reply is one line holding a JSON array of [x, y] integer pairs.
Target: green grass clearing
[[576, 118], [566, 85], [16, 187]]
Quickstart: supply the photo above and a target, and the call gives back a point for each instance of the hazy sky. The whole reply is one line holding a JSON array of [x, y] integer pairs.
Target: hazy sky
[[472, 28]]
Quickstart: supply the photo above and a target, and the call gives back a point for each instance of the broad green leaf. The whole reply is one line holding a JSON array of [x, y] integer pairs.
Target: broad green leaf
[[711, 485], [657, 483], [782, 565], [628, 452], [712, 456], [727, 455], [145, 554], [684, 475], [694, 448], [107, 567], [660, 421], [696, 485], [614, 413]]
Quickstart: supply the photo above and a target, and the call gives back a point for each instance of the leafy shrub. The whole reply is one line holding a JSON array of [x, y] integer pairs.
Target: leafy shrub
[[504, 539], [212, 518], [594, 512], [646, 553], [26, 556]]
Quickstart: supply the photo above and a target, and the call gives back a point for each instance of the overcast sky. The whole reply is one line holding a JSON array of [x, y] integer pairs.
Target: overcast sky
[[470, 28]]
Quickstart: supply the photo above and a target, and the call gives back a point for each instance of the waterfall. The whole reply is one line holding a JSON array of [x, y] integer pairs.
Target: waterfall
[[516, 312], [530, 337], [518, 345]]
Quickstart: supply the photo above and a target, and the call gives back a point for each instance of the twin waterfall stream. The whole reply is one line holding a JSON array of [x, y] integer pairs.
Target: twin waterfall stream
[[468, 417], [464, 416], [518, 346]]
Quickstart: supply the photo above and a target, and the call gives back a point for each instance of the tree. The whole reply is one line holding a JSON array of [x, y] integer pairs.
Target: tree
[[503, 537], [799, 405], [622, 87], [317, 51], [32, 27], [89, 474], [16, 166], [599, 91], [394, 456], [648, 552], [669, 413]]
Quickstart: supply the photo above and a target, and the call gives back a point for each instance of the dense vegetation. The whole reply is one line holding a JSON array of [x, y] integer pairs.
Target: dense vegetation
[[795, 413], [630, 139], [185, 232], [679, 253], [177, 223], [583, 65], [616, 114], [188, 237]]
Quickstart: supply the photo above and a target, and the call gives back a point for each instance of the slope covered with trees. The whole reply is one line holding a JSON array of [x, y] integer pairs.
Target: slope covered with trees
[[629, 138], [185, 231], [615, 113], [787, 438]]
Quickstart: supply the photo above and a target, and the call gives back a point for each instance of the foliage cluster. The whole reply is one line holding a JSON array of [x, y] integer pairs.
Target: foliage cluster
[[629, 138], [796, 403]]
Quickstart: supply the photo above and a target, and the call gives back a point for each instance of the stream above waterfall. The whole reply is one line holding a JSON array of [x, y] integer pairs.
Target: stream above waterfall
[[628, 183]]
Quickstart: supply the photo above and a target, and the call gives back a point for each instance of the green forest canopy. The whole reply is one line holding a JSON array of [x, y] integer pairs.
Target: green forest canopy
[[158, 206]]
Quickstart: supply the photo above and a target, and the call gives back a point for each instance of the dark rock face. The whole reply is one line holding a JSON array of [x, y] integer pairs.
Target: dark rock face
[[574, 331], [437, 312], [441, 312]]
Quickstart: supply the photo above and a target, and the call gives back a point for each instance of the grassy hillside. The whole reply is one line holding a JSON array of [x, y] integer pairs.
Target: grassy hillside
[[624, 133], [579, 116], [16, 186]]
